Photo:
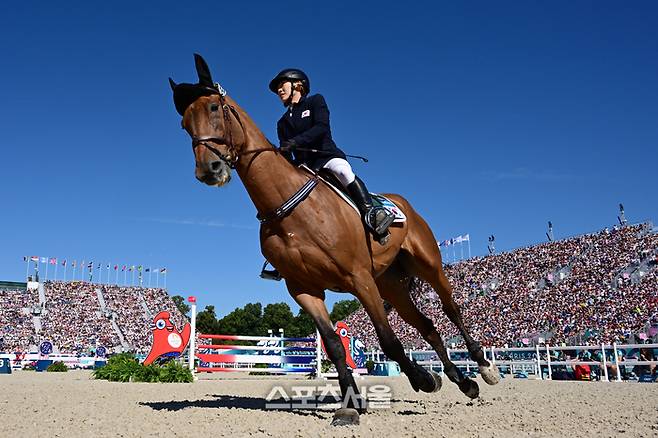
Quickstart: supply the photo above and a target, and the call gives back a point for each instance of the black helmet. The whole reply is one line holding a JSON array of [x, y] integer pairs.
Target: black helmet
[[292, 74]]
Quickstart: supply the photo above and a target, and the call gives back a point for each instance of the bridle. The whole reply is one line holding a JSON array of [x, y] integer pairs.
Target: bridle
[[233, 157]]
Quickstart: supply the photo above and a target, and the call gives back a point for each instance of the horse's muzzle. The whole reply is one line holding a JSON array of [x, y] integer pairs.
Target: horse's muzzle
[[215, 173]]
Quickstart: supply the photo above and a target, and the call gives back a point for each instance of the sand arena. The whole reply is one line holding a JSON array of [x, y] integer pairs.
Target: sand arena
[[74, 405]]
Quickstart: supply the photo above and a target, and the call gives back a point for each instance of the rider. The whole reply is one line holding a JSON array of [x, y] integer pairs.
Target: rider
[[305, 138]]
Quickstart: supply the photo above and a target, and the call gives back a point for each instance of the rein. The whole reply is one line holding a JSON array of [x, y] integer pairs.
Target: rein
[[232, 159]]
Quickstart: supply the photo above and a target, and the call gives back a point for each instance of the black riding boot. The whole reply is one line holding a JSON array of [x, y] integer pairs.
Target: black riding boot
[[377, 219]]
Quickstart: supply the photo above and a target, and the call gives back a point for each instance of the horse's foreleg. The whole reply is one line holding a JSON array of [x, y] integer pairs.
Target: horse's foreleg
[[368, 294], [313, 304]]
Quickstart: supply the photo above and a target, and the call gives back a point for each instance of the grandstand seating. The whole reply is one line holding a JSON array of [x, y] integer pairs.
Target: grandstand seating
[[599, 287], [557, 291]]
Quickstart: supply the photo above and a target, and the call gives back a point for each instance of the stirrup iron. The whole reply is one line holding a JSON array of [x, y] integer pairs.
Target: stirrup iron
[[269, 274]]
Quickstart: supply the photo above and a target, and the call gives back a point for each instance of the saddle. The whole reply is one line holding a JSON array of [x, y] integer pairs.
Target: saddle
[[327, 177]]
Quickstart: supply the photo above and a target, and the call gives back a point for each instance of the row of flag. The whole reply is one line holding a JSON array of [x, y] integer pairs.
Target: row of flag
[[456, 240], [90, 265]]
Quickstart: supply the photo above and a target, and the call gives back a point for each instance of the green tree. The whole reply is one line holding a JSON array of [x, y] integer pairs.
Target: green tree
[[303, 324], [206, 321], [278, 315], [243, 321], [181, 305], [343, 308]]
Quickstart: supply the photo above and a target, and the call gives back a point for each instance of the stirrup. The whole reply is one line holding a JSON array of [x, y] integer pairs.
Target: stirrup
[[378, 220], [269, 274]]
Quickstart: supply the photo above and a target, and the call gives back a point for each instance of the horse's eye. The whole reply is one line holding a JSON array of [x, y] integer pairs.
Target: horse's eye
[[214, 107]]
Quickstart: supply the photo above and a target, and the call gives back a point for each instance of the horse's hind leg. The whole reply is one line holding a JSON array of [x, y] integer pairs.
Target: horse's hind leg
[[368, 294], [313, 304], [394, 287], [423, 259]]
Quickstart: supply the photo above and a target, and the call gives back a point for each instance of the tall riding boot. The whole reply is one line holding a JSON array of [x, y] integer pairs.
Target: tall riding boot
[[377, 219]]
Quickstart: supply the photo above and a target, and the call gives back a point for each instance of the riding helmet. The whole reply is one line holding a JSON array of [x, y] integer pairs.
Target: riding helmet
[[292, 74]]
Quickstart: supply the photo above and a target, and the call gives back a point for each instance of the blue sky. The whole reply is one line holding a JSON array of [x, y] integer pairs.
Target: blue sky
[[489, 117]]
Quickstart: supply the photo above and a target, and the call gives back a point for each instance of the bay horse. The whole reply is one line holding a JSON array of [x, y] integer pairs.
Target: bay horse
[[321, 242]]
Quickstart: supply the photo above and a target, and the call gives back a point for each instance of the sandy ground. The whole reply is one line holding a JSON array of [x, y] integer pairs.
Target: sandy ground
[[73, 405]]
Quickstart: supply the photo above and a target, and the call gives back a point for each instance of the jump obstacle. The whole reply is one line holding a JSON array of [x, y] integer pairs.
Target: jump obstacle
[[268, 350], [276, 353]]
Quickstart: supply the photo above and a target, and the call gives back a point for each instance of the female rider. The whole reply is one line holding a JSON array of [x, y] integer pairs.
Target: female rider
[[305, 126]]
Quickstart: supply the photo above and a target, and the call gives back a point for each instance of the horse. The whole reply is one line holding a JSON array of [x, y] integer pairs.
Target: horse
[[318, 242]]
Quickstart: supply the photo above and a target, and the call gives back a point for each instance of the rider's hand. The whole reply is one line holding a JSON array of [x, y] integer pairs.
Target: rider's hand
[[287, 146]]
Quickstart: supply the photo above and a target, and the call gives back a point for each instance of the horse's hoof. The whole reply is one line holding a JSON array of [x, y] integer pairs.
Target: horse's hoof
[[437, 380], [490, 374], [346, 417], [469, 387]]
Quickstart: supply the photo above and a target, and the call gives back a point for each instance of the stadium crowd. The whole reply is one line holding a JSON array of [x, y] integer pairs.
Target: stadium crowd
[[77, 317], [569, 290], [16, 326], [588, 288]]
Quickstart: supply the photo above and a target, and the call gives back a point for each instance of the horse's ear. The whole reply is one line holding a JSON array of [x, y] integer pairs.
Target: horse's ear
[[172, 84], [203, 71]]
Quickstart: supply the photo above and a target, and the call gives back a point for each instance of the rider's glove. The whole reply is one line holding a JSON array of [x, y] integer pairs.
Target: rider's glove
[[287, 146]]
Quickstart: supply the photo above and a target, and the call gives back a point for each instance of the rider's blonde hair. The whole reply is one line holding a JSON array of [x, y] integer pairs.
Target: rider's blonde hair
[[297, 85]]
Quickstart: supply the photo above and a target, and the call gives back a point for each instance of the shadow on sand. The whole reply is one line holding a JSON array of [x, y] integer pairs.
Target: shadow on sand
[[251, 403]]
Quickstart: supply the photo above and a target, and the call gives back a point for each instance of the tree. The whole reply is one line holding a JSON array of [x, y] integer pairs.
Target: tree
[[303, 325], [206, 321], [243, 321], [343, 308], [278, 315], [181, 305]]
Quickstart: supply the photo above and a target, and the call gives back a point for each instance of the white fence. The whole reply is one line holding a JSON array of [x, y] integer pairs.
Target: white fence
[[533, 360]]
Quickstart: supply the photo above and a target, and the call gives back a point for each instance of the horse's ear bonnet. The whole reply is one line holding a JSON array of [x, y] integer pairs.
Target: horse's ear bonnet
[[186, 94]]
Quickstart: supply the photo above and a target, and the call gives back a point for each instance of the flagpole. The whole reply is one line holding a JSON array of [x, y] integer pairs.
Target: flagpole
[[469, 246], [65, 271], [461, 248], [47, 263], [27, 267], [165, 279], [157, 278], [56, 266]]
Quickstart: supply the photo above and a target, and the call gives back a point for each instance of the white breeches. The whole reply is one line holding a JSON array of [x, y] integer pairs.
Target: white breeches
[[342, 169]]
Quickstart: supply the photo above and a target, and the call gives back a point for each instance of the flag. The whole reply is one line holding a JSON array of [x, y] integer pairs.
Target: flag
[[131, 268], [108, 266], [124, 268], [73, 264], [44, 259], [24, 258], [53, 261], [34, 258], [99, 266], [139, 268], [147, 270], [64, 262], [163, 270], [466, 238], [116, 267], [458, 239], [90, 265]]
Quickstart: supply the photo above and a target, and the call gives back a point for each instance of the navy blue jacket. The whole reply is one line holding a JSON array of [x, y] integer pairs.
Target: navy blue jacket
[[307, 124]]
